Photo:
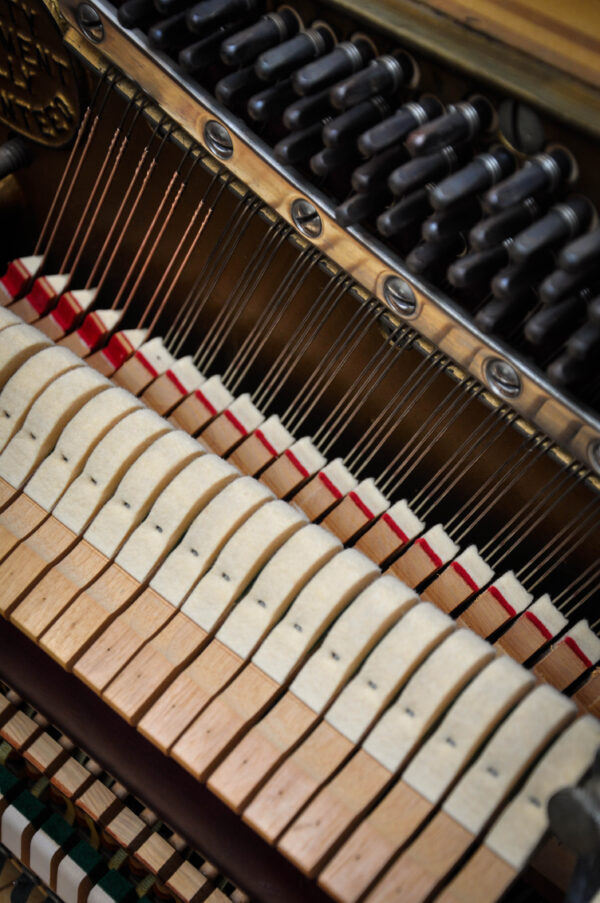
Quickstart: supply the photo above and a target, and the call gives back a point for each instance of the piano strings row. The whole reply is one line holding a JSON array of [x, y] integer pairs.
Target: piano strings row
[[66, 307], [491, 236], [262, 650], [422, 500], [441, 184]]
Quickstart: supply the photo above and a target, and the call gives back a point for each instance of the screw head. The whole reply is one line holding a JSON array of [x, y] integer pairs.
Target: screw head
[[90, 23], [521, 127], [307, 218], [399, 296], [594, 454], [502, 377], [218, 140]]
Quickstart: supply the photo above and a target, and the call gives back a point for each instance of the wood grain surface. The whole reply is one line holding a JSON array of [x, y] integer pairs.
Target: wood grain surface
[[566, 35]]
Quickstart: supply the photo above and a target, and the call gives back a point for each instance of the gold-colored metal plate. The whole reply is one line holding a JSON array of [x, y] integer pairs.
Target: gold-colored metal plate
[[39, 94]]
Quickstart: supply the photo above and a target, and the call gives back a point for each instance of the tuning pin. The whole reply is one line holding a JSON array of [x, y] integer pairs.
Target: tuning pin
[[331, 159], [345, 58], [568, 371], [497, 228], [582, 252], [244, 46], [499, 314], [516, 278], [477, 267], [485, 170], [461, 123], [560, 284], [348, 125], [270, 103], [395, 128], [170, 7], [374, 173], [562, 222], [551, 323], [299, 146], [136, 13], [15, 153], [411, 209], [238, 86], [543, 173], [420, 171], [384, 75], [281, 61], [432, 257], [169, 34], [360, 207], [585, 342], [208, 14], [307, 110], [458, 218], [202, 53], [594, 309]]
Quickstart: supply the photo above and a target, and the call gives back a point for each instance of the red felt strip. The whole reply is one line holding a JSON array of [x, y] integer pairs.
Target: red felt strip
[[539, 624], [262, 438], [41, 295], [236, 423], [66, 312], [15, 279], [297, 464], [330, 485], [146, 363], [395, 528], [204, 400], [495, 592], [429, 551], [118, 350], [361, 505], [464, 575], [92, 331], [574, 647], [177, 382]]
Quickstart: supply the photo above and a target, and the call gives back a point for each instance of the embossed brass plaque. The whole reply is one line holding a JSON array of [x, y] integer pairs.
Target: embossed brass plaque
[[38, 89]]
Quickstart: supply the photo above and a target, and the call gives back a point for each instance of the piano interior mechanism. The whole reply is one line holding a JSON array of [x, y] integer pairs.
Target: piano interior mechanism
[[299, 451]]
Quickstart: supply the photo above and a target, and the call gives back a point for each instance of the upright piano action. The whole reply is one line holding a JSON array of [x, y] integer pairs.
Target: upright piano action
[[299, 451]]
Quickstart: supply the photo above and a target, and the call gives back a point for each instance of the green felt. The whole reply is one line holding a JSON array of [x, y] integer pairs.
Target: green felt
[[8, 781], [116, 886], [58, 829], [30, 806], [86, 857]]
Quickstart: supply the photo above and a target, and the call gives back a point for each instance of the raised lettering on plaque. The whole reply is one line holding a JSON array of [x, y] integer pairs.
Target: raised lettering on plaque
[[38, 90]]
